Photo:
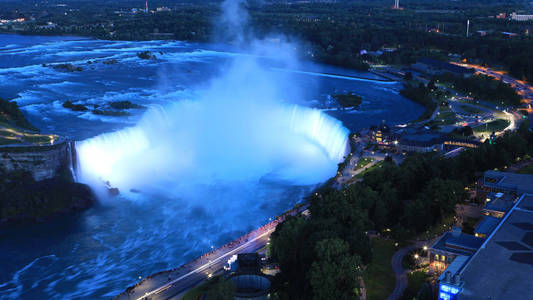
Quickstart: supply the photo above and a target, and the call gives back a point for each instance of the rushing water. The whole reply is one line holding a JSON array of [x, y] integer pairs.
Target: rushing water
[[167, 215]]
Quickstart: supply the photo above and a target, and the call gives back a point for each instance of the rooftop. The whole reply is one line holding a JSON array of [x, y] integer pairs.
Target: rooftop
[[487, 225], [522, 182], [499, 202], [458, 243], [421, 139], [502, 268]]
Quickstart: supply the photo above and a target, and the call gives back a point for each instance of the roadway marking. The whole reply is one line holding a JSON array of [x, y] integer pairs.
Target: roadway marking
[[169, 284]]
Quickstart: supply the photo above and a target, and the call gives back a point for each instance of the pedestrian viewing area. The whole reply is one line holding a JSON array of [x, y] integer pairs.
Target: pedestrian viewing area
[[251, 286]]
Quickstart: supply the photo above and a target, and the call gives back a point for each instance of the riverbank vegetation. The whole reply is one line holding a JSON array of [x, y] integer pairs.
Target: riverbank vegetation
[[10, 114], [421, 94]]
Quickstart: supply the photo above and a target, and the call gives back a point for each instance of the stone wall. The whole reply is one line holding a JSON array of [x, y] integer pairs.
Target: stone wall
[[43, 162]]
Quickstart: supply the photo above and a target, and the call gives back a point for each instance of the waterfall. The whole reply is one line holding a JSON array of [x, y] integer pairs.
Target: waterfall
[[72, 159], [203, 143]]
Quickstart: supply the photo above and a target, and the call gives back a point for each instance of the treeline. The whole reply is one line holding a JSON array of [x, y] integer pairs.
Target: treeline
[[333, 33], [483, 87], [421, 94], [11, 114], [322, 257]]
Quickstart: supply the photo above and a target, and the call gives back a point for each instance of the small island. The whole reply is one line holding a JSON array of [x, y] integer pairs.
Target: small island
[[113, 108], [67, 67], [74, 107], [125, 105], [348, 100], [146, 55]]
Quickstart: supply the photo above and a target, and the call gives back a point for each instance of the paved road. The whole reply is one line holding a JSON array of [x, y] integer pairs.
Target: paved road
[[166, 285]]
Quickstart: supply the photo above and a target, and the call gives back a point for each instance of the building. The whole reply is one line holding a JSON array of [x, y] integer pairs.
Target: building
[[436, 67], [498, 204], [450, 246], [506, 182], [486, 226], [521, 18], [381, 134], [502, 266], [407, 139], [421, 142]]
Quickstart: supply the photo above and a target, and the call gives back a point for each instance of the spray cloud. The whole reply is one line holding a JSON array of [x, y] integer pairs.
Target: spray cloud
[[242, 127]]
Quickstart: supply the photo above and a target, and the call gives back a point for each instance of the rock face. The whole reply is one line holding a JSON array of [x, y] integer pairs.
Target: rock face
[[43, 162], [37, 182]]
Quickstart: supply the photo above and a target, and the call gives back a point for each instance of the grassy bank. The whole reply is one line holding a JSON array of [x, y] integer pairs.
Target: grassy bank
[[379, 277], [494, 126]]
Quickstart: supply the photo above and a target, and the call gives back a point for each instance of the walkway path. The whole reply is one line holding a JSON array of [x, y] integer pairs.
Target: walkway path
[[399, 271]]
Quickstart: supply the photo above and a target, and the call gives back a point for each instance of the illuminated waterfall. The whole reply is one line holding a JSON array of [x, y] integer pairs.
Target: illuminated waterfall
[[195, 142]]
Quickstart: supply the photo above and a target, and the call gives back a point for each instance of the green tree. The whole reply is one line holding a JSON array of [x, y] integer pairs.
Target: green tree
[[335, 274], [223, 289]]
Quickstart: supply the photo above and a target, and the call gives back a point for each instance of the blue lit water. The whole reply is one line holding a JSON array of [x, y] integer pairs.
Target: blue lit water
[[98, 253]]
